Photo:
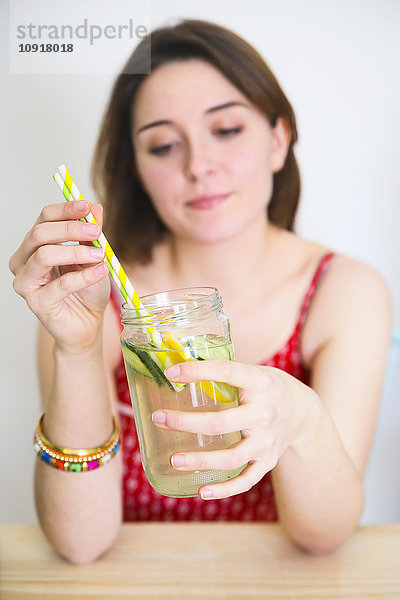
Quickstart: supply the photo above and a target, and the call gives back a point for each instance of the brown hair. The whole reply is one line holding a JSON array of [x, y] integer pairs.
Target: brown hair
[[131, 222]]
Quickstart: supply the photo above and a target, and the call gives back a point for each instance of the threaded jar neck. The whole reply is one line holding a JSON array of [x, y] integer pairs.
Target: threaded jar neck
[[173, 308]]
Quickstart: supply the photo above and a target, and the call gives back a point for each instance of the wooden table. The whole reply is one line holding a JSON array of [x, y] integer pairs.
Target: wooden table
[[202, 560]]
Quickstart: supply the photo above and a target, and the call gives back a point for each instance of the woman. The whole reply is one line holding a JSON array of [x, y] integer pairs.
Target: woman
[[196, 169]]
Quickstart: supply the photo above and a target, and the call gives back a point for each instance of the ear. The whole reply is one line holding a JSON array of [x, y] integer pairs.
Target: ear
[[280, 144]]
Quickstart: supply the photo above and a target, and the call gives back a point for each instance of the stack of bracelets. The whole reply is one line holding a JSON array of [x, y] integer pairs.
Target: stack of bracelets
[[77, 460]]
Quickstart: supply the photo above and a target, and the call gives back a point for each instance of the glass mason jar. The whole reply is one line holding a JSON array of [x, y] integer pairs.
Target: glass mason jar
[[180, 325]]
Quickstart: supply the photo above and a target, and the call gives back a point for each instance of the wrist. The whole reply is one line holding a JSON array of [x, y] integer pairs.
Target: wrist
[[75, 460], [75, 352], [78, 410]]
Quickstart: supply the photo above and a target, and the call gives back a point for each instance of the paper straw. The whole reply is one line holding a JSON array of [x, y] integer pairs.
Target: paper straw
[[71, 192], [68, 196], [124, 285], [69, 189]]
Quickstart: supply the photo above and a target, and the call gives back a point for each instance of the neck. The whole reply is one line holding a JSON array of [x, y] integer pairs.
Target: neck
[[218, 264]]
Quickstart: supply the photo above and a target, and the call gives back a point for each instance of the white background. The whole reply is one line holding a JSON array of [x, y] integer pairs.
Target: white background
[[338, 61]]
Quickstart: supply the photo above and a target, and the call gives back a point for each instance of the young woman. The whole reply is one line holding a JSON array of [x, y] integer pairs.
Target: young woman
[[196, 169]]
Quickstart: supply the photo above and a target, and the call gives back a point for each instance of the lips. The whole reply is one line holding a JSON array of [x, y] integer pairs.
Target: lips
[[207, 202]]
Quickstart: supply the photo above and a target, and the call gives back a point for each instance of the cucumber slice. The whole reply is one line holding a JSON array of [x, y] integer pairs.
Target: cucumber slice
[[142, 363], [134, 361]]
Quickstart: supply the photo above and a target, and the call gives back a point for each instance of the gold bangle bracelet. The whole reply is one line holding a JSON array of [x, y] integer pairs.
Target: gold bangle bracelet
[[77, 451]]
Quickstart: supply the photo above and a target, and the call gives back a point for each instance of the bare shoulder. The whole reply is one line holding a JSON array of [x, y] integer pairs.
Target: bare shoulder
[[359, 284], [352, 300]]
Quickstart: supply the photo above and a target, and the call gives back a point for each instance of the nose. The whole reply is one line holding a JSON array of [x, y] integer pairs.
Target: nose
[[199, 160]]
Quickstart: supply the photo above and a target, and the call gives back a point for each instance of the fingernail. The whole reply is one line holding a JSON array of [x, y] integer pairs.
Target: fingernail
[[206, 493], [97, 252], [159, 417], [173, 371], [81, 205], [177, 460], [101, 268], [91, 229]]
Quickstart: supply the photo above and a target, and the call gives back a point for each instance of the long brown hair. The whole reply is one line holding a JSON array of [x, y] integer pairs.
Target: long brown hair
[[131, 223]]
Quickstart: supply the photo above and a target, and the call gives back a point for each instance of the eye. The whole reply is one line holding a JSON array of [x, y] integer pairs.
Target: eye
[[228, 132], [161, 150]]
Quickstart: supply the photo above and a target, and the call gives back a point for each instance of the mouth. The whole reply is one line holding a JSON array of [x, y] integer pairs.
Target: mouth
[[207, 202]]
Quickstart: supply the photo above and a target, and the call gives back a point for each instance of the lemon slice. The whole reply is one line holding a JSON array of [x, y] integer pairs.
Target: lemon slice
[[220, 392], [201, 348]]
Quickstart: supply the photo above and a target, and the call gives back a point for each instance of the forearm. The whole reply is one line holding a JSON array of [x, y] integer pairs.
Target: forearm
[[318, 490], [80, 513]]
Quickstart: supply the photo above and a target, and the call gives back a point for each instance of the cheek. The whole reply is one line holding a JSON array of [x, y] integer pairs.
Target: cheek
[[252, 165], [160, 184], [154, 179]]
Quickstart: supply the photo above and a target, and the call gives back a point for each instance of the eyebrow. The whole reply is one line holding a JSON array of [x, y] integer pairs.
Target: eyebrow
[[213, 109]]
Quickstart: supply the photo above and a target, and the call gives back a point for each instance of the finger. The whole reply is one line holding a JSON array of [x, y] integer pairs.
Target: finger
[[36, 272], [97, 212], [252, 378], [207, 423], [71, 210], [52, 233], [64, 211], [47, 257], [74, 281], [229, 459], [251, 475], [63, 231]]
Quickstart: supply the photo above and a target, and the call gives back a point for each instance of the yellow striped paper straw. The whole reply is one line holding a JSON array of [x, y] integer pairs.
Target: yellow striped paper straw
[[67, 196], [122, 281], [71, 192]]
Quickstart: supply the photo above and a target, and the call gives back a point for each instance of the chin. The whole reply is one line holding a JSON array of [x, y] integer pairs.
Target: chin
[[215, 235]]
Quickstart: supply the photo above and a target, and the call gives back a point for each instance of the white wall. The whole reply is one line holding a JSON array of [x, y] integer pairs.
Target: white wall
[[338, 62]]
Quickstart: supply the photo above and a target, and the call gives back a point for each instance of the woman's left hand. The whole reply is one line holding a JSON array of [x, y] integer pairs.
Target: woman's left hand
[[273, 415]]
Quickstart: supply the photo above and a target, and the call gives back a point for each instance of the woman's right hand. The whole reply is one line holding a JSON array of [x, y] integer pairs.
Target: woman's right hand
[[65, 286]]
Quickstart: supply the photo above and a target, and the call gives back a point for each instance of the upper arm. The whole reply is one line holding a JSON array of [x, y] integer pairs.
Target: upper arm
[[111, 357], [352, 321]]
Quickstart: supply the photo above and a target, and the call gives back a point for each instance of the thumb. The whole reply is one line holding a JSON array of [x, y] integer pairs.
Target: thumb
[[97, 211]]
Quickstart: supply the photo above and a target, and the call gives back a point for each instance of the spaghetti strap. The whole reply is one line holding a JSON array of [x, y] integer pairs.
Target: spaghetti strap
[[319, 272]]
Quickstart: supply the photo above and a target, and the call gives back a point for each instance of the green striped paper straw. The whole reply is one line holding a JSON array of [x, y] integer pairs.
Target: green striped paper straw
[[71, 192]]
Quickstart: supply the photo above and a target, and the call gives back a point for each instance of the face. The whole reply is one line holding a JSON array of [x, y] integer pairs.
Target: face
[[205, 155]]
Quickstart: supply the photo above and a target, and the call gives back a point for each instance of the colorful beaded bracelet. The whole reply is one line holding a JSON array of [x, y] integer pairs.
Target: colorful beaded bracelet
[[76, 460]]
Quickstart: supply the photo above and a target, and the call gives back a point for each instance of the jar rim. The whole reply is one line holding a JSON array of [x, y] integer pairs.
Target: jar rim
[[193, 293], [194, 299]]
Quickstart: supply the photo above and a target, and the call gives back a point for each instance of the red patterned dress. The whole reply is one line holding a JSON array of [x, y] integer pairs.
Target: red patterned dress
[[142, 503]]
